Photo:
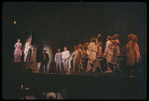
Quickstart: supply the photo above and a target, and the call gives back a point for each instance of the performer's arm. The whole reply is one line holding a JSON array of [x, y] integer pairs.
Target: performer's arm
[[55, 57], [21, 45], [68, 54], [97, 38]]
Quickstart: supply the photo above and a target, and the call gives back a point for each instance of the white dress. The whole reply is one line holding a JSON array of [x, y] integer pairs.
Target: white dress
[[76, 59], [27, 52]]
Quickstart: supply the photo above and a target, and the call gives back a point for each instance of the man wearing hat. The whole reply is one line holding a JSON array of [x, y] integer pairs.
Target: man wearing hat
[[44, 60]]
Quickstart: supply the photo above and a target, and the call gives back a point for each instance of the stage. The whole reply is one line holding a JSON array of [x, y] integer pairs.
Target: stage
[[79, 85]]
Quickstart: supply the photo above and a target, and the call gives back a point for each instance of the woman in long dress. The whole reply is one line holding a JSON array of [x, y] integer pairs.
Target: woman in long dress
[[76, 59], [27, 51], [137, 56], [130, 54], [17, 51]]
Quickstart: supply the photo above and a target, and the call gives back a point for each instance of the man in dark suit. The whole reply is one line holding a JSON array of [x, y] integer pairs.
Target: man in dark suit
[[44, 61]]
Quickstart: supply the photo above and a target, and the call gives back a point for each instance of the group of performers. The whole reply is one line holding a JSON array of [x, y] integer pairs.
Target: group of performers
[[18, 51], [87, 55]]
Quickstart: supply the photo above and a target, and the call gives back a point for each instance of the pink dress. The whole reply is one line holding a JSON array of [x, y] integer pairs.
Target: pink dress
[[17, 52]]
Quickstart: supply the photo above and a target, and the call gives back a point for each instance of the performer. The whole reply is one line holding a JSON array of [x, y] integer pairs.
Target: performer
[[84, 52], [96, 61], [58, 60], [65, 59], [116, 52], [86, 44], [115, 38], [108, 52], [136, 67], [27, 52], [17, 51], [83, 63], [91, 52], [136, 49], [130, 54], [80, 49], [76, 58], [44, 61], [99, 49]]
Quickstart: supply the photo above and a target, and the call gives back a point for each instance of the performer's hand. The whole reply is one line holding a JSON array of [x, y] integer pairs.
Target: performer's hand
[[55, 61], [99, 35]]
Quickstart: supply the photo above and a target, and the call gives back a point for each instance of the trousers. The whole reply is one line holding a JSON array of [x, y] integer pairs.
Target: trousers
[[65, 65], [42, 67], [59, 64]]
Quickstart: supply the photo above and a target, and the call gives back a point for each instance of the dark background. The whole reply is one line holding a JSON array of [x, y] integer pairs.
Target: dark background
[[62, 24], [66, 24]]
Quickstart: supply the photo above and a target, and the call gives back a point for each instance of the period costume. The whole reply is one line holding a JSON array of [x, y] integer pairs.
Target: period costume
[[58, 59], [76, 60], [130, 53], [91, 52], [17, 52], [83, 62], [137, 52], [65, 60], [99, 49], [108, 53], [116, 52], [27, 52], [44, 61]]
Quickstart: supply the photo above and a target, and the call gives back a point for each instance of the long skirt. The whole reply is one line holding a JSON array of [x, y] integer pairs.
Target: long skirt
[[27, 57], [130, 58], [17, 55], [17, 58]]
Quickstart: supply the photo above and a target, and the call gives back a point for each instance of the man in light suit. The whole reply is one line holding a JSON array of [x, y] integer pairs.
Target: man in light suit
[[65, 59], [58, 60]]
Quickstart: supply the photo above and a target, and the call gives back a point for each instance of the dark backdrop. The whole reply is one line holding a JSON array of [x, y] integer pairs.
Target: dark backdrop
[[66, 24]]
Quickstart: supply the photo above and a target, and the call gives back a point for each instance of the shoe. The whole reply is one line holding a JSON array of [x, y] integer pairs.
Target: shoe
[[108, 71]]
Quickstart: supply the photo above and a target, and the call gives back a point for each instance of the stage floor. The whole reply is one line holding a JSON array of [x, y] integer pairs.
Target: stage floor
[[81, 85]]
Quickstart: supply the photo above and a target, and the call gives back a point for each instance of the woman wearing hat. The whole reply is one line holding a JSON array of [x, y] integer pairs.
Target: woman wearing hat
[[137, 56], [130, 54]]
